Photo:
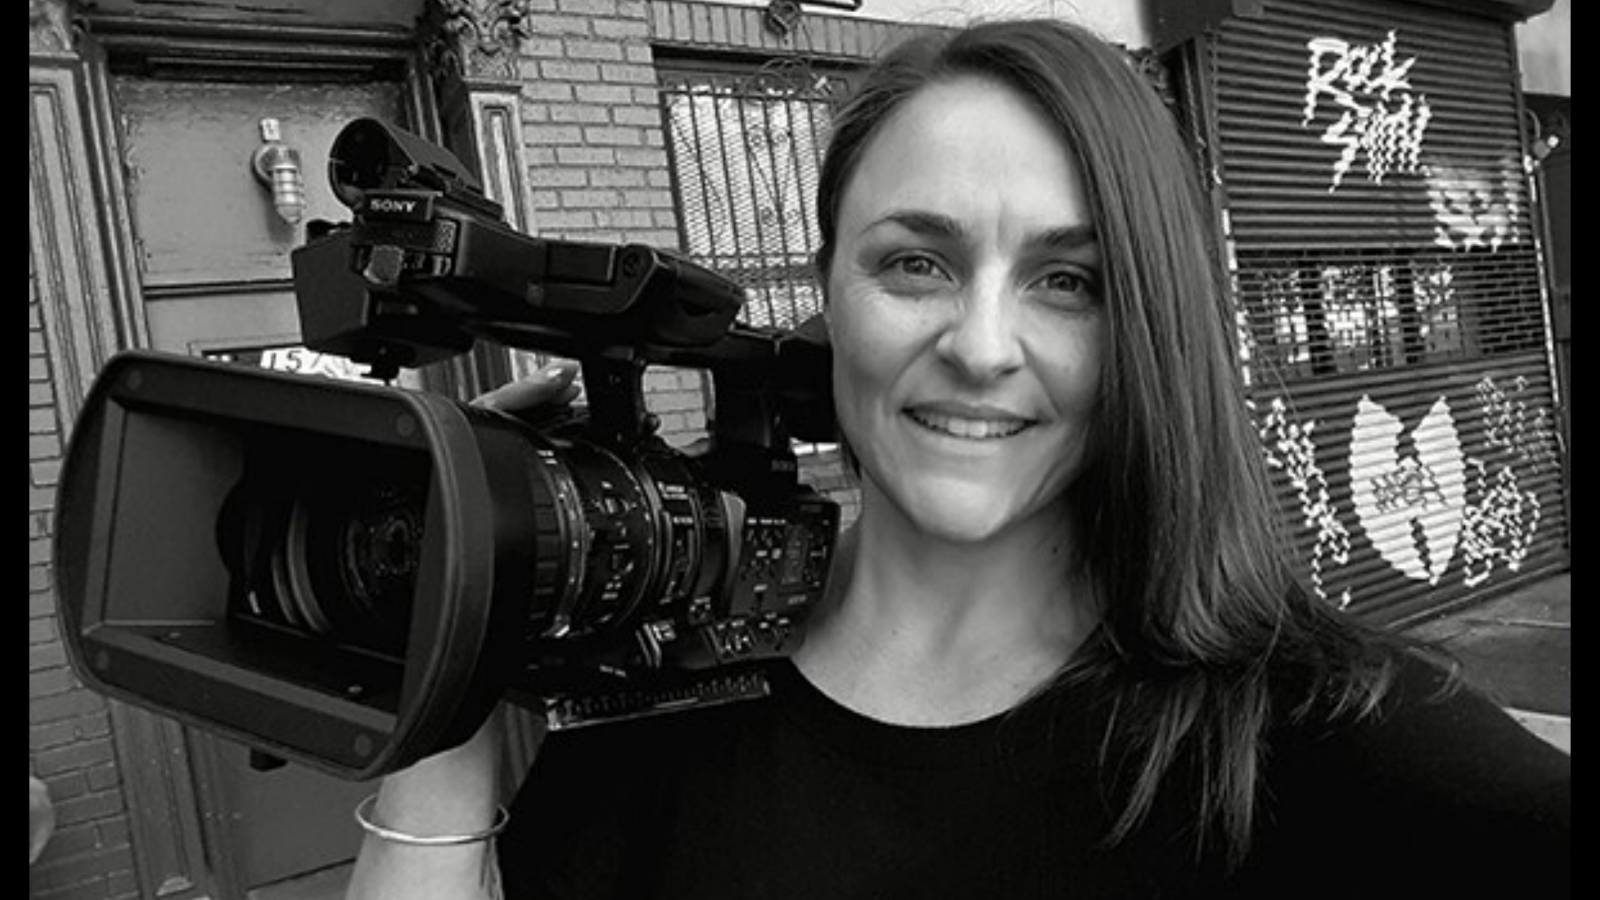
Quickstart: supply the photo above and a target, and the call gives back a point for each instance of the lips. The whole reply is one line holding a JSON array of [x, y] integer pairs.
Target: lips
[[969, 424]]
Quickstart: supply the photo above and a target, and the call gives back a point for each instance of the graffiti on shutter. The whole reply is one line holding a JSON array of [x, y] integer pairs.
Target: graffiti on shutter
[[1451, 487], [1379, 115], [1390, 297]]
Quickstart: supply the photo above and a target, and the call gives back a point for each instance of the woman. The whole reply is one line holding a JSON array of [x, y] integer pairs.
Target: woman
[[1067, 657]]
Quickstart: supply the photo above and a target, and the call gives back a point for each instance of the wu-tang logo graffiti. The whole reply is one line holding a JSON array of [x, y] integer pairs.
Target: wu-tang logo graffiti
[[1409, 490]]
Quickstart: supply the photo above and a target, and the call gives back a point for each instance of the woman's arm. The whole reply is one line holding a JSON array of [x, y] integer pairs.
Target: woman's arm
[[456, 792]]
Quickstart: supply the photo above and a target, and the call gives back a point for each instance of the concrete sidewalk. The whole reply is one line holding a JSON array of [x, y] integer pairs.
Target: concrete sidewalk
[[1518, 649]]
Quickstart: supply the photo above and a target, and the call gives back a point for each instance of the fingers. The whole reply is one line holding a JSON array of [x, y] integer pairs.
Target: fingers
[[553, 385]]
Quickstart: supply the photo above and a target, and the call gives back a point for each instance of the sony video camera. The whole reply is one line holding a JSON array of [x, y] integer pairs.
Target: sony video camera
[[351, 576]]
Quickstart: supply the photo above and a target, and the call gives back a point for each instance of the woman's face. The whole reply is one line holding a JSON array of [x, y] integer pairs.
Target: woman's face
[[965, 312]]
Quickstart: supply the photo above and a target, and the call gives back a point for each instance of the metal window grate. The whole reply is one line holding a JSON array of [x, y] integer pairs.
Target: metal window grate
[[1309, 315], [745, 147]]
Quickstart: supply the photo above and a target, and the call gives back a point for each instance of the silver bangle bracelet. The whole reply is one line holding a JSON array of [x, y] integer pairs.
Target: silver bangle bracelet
[[363, 809]]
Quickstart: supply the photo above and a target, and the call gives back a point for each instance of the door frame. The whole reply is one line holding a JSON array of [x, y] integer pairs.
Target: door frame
[[181, 827]]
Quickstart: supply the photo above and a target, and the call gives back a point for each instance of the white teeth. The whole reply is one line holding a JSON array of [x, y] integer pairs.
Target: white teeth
[[977, 429]]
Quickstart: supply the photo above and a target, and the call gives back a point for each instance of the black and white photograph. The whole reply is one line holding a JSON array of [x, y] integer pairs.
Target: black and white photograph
[[799, 449]]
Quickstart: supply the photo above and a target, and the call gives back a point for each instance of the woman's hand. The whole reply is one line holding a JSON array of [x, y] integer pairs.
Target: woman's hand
[[549, 389]]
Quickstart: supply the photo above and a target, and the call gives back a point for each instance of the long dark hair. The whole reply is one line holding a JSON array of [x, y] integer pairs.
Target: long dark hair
[[1173, 513]]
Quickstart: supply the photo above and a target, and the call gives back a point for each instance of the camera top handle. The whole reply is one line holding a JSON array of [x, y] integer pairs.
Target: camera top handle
[[428, 266]]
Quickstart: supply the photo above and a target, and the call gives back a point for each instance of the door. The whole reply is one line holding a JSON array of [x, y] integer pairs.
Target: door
[[213, 259]]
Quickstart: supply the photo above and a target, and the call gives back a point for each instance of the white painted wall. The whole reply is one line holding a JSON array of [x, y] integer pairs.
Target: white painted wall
[[1120, 21], [1544, 48]]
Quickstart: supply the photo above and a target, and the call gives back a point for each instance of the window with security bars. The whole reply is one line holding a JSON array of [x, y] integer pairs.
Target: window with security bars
[[745, 148], [1307, 315]]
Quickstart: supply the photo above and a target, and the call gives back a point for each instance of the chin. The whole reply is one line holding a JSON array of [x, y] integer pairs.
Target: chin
[[952, 518], [962, 511]]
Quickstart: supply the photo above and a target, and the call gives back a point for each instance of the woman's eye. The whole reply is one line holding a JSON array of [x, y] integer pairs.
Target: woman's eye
[[915, 266], [1070, 287], [914, 271]]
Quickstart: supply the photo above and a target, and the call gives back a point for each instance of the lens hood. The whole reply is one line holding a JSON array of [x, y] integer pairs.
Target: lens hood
[[156, 593]]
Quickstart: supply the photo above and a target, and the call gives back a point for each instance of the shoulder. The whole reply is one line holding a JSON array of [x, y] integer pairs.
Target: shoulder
[[1421, 709], [1432, 782], [1422, 728]]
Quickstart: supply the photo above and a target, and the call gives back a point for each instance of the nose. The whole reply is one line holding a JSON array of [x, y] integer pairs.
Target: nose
[[981, 340]]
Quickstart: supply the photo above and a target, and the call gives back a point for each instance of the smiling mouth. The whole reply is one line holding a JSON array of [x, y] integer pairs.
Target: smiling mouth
[[972, 429]]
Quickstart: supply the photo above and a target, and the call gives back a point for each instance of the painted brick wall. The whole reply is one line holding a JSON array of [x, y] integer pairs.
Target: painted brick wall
[[69, 730], [678, 398], [592, 124]]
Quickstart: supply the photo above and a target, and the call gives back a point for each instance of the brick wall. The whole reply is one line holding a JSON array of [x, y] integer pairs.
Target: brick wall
[[678, 398], [70, 745], [592, 124]]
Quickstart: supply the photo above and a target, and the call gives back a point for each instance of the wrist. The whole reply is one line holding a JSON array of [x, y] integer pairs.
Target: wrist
[[364, 818]]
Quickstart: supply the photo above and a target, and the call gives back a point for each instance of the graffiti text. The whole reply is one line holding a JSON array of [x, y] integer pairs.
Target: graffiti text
[[1378, 113]]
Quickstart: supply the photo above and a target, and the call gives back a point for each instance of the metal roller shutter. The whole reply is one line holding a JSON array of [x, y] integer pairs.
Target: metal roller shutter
[[1391, 298]]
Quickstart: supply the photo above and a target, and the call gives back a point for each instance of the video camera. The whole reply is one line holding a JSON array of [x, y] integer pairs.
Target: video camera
[[351, 576]]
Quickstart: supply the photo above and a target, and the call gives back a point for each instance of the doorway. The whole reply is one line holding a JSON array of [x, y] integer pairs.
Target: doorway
[[212, 251]]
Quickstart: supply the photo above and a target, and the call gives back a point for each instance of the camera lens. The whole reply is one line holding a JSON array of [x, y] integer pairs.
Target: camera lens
[[330, 551], [354, 545], [379, 549]]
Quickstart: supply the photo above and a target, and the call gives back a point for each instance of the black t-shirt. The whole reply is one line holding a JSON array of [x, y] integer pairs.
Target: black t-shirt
[[795, 796]]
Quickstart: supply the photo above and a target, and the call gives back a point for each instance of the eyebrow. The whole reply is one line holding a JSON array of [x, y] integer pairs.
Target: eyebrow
[[938, 225]]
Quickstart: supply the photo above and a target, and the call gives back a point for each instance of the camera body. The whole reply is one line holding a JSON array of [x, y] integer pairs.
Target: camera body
[[352, 576]]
